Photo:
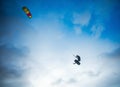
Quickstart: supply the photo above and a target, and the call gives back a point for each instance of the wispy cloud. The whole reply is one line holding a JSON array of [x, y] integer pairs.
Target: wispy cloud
[[114, 54], [78, 29], [81, 18], [97, 30], [57, 82]]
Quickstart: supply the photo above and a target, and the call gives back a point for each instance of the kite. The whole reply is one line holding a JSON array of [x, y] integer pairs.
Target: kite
[[27, 11]]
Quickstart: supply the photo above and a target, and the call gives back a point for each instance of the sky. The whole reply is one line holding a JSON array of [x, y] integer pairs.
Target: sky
[[39, 51]]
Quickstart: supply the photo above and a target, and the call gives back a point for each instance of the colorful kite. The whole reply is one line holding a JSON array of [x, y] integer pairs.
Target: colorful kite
[[27, 11]]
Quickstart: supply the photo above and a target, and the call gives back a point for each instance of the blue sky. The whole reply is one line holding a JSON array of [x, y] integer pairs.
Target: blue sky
[[39, 51]]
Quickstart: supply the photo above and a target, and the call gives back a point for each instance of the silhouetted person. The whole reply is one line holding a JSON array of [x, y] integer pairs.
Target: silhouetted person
[[77, 61]]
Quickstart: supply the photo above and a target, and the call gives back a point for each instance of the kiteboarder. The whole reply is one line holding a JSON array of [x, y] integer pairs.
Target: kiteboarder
[[77, 61]]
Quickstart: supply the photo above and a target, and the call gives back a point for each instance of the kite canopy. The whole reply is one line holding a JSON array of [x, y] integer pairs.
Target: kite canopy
[[27, 11]]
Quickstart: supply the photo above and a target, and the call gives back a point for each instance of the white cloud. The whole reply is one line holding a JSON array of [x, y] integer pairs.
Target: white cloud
[[78, 30], [51, 59], [82, 18], [53, 63], [97, 30]]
